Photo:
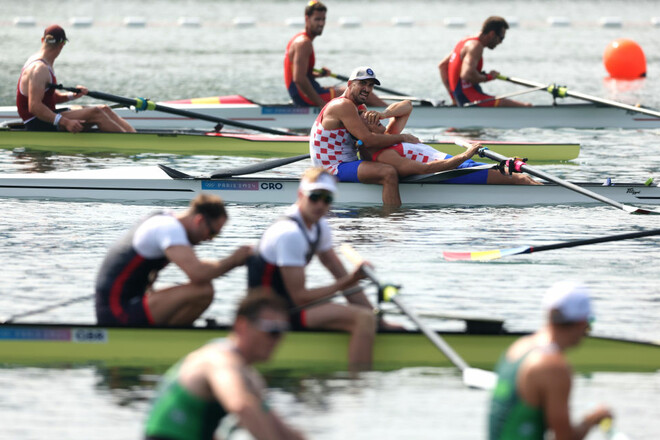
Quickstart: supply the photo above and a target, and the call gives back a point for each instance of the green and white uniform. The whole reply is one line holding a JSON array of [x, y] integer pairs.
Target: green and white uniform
[[510, 417], [177, 414]]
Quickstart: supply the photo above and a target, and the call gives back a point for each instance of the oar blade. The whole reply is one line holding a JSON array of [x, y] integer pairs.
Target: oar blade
[[484, 255], [478, 378]]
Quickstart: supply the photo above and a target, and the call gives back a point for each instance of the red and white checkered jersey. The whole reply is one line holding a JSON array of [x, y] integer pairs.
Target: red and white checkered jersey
[[329, 148]]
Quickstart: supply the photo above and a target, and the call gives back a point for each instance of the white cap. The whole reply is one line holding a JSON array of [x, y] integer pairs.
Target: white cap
[[325, 182], [568, 301], [363, 72]]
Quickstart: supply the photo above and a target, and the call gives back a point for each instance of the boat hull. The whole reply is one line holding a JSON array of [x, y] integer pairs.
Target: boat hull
[[151, 183], [42, 345], [218, 144], [292, 117]]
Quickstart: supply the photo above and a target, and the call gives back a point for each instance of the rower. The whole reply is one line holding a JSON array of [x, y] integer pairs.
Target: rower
[[285, 250], [124, 285], [299, 74], [461, 70], [337, 128], [218, 381], [36, 98], [534, 376]]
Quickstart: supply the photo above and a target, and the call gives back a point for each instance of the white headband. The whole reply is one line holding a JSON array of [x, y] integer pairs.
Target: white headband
[[325, 182]]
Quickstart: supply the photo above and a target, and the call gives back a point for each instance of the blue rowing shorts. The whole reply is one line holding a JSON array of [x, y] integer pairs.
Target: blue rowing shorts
[[348, 171], [477, 177]]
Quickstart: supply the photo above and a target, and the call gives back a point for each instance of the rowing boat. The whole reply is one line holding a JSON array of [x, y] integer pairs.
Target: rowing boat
[[70, 344], [233, 144], [152, 183], [241, 109]]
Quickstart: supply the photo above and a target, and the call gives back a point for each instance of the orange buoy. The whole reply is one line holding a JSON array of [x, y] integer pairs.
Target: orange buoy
[[624, 59]]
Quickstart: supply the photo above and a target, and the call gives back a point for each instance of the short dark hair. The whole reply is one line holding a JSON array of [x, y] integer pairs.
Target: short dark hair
[[252, 305], [314, 6], [494, 23], [209, 205]]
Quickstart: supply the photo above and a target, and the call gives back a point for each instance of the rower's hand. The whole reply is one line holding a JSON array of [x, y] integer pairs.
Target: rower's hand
[[82, 90], [358, 273], [474, 148], [240, 255], [598, 415], [410, 139], [324, 71], [72, 125]]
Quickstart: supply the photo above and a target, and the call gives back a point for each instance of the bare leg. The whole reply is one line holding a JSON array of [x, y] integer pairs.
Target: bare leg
[[512, 103], [408, 167], [383, 174], [359, 321], [98, 116], [179, 305]]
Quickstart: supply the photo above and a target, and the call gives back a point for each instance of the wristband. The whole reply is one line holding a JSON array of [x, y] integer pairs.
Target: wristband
[[57, 119]]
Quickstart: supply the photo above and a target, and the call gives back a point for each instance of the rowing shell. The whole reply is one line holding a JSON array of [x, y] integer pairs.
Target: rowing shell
[[246, 145], [40, 344], [238, 108], [152, 183]]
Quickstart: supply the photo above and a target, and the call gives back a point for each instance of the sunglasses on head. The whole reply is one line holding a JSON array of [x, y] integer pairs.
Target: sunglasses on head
[[272, 327], [315, 196]]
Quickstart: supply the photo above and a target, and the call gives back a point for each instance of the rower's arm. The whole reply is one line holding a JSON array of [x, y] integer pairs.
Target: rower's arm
[[300, 64], [203, 271], [228, 383], [346, 114], [38, 78], [330, 260], [443, 67], [399, 112], [294, 282], [469, 72]]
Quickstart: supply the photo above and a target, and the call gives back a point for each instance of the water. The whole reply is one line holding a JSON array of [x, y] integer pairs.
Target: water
[[51, 250]]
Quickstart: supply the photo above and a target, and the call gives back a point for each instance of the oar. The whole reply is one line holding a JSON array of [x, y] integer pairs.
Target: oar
[[257, 167], [562, 92], [499, 253], [521, 166], [510, 95], [472, 377], [393, 92], [146, 104], [68, 302]]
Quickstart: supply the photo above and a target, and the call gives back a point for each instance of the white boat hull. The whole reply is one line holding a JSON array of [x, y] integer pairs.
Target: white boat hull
[[302, 118], [140, 184]]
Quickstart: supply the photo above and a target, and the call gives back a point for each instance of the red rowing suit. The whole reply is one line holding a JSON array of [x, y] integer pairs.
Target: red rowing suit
[[22, 100], [464, 91], [297, 96]]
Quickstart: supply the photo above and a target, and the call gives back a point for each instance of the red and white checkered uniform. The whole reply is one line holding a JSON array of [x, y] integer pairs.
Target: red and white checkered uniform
[[418, 152], [329, 148]]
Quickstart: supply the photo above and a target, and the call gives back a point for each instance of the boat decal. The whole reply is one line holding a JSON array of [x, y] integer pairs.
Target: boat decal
[[84, 335], [285, 110], [230, 185]]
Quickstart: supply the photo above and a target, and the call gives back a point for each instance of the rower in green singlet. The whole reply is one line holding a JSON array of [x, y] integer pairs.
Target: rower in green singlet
[[218, 380], [534, 376]]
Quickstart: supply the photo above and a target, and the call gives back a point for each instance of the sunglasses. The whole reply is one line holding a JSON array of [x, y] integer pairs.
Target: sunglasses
[[212, 232], [274, 329], [315, 196]]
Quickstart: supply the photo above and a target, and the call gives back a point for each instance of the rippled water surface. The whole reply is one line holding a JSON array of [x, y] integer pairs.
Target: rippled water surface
[[50, 250]]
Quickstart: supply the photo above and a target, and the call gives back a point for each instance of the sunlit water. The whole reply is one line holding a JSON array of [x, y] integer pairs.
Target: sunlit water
[[50, 250]]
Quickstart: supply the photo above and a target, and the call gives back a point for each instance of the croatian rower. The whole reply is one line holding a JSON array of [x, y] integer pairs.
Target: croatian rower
[[337, 128]]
